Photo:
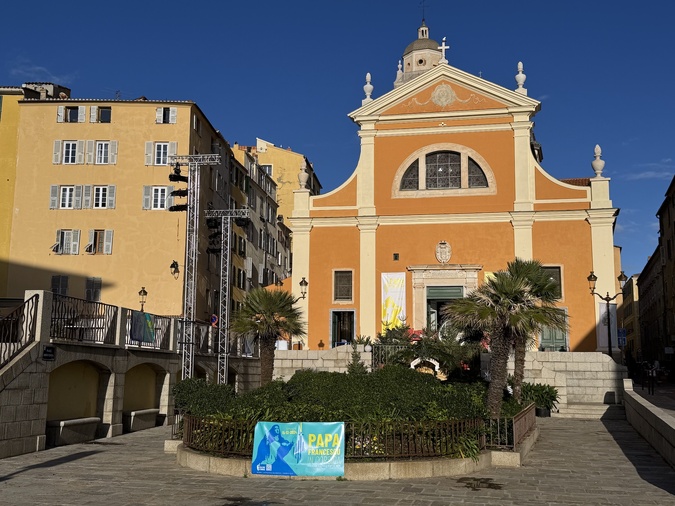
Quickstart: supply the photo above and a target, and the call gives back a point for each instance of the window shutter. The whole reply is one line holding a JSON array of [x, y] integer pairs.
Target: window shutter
[[148, 153], [53, 196], [63, 285], [147, 197], [75, 244], [56, 284], [158, 115], [111, 196], [77, 204], [173, 146], [80, 152], [93, 113], [67, 239], [60, 111], [81, 114], [107, 244], [56, 159], [86, 196], [58, 247], [113, 152], [173, 114], [169, 197], [89, 290], [261, 268], [90, 244], [90, 151]]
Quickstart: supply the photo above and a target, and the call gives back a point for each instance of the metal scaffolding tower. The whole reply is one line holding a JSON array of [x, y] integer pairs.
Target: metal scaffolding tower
[[193, 162], [226, 216]]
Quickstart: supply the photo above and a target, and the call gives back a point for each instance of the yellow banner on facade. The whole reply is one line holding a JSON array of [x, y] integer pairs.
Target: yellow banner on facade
[[393, 299]]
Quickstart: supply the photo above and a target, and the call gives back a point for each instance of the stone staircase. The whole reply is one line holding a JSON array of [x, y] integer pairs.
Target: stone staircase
[[591, 411]]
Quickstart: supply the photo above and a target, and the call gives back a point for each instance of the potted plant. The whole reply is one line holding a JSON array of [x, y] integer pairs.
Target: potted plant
[[545, 397]]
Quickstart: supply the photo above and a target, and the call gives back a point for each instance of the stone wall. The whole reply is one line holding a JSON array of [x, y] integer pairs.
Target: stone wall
[[287, 362]]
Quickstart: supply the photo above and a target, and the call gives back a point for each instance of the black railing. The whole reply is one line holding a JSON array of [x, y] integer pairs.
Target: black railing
[[508, 433], [82, 321], [18, 330], [379, 440], [146, 330]]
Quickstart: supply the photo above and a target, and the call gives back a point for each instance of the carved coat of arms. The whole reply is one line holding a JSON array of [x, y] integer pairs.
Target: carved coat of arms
[[443, 252]]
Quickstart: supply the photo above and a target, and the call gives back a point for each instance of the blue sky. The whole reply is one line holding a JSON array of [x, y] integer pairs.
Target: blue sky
[[290, 72]]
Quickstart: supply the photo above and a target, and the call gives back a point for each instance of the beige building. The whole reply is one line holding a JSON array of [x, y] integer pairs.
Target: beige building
[[92, 196]]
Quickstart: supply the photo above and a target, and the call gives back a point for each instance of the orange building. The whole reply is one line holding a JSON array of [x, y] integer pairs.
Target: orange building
[[448, 188]]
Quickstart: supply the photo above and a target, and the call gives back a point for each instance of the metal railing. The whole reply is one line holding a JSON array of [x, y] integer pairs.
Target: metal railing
[[82, 320], [18, 330], [384, 354], [146, 330], [508, 433], [390, 440]]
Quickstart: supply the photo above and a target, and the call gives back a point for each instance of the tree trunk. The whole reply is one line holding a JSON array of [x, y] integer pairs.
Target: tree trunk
[[267, 349], [519, 368], [500, 347]]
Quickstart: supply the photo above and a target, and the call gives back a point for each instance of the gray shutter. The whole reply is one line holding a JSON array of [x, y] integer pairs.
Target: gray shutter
[[111, 196], [75, 244], [113, 152], [60, 111], [56, 159], [86, 196], [81, 114], [89, 290], [147, 197], [80, 153], [169, 197], [158, 115], [91, 151], [173, 114], [67, 239], [148, 153], [58, 247], [90, 244], [53, 196], [173, 146], [93, 114], [56, 283], [77, 204], [107, 244]]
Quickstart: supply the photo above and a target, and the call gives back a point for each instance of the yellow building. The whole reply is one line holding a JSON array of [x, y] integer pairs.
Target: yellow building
[[92, 196], [448, 188]]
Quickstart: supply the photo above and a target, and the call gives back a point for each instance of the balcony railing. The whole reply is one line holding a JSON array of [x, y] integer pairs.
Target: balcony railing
[[146, 330], [82, 320], [17, 330]]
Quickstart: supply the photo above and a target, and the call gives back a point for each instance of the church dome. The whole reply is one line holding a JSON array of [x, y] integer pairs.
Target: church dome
[[420, 44]]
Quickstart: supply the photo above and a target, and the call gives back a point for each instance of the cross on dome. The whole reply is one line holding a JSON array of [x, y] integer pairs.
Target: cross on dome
[[443, 47]]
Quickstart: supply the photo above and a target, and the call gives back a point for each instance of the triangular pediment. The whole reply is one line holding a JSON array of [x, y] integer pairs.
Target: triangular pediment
[[445, 89]]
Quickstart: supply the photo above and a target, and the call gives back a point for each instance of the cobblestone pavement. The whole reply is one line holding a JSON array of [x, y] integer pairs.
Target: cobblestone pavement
[[575, 462]]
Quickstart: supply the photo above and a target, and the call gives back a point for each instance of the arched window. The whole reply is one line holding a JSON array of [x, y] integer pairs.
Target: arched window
[[443, 170], [411, 179], [477, 177]]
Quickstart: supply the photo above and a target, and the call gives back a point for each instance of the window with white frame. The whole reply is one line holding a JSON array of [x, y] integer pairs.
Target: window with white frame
[[102, 152], [342, 286], [67, 242], [100, 197], [69, 152], [159, 197], [161, 153], [67, 197]]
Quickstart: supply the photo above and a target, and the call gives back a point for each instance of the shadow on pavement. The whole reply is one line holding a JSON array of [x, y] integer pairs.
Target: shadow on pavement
[[245, 501], [51, 463]]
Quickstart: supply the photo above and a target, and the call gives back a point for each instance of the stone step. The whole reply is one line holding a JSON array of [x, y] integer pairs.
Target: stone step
[[591, 411]]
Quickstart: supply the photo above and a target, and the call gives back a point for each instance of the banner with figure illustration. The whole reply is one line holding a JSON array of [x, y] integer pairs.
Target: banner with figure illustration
[[299, 449], [393, 299]]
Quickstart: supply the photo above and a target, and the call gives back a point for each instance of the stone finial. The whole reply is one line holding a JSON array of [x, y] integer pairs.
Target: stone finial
[[443, 47], [368, 89], [303, 176], [520, 79], [598, 164]]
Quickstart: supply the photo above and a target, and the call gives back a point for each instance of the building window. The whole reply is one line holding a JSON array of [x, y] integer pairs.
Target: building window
[[102, 152], [67, 197], [161, 153], [411, 180], [60, 285], [100, 197], [67, 242], [93, 290], [554, 273], [159, 197], [477, 177], [342, 286], [70, 152], [267, 169], [197, 125], [166, 115], [104, 114], [100, 242], [443, 170], [72, 115]]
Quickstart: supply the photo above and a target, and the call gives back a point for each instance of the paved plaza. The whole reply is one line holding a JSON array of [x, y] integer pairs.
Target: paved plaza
[[574, 462]]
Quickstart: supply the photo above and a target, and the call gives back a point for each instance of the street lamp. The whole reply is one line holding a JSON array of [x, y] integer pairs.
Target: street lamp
[[142, 295], [592, 279], [303, 288]]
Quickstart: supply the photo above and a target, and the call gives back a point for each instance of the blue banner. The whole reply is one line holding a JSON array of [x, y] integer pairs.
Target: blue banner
[[299, 449]]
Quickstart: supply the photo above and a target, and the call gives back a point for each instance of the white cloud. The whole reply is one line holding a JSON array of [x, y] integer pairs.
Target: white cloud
[[648, 174], [26, 70], [541, 98]]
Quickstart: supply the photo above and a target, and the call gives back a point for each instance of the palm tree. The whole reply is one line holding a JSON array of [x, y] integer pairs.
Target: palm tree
[[268, 314], [506, 308], [548, 293]]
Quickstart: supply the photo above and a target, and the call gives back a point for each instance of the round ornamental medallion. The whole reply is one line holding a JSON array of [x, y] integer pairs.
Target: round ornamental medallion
[[443, 252], [443, 95]]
